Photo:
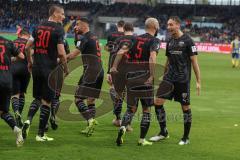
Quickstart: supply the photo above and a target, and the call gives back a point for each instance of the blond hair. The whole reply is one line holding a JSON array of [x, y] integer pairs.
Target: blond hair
[[151, 23]]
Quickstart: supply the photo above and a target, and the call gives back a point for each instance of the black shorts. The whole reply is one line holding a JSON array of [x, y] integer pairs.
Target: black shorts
[[179, 91], [5, 96], [56, 80], [21, 78], [144, 94], [90, 88], [41, 87], [119, 82], [138, 91]]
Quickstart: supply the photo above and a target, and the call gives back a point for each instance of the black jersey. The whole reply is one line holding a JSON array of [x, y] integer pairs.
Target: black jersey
[[7, 49], [142, 48], [112, 46], [88, 44], [19, 67], [111, 40], [21, 44], [128, 41], [47, 36], [179, 52]]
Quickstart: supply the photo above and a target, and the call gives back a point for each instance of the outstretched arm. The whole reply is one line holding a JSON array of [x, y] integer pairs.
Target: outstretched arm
[[118, 58], [73, 54]]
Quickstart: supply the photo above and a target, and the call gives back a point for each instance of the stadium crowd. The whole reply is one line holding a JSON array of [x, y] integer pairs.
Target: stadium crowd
[[29, 15]]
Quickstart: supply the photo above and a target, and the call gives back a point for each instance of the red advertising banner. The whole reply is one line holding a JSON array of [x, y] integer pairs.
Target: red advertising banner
[[209, 47]]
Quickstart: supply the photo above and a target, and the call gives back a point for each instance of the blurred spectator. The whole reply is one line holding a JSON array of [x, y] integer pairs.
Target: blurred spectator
[[30, 13]]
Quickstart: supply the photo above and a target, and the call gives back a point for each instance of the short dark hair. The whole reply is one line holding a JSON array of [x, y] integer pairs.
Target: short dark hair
[[24, 31], [53, 8], [176, 19], [120, 23], [128, 27], [84, 19]]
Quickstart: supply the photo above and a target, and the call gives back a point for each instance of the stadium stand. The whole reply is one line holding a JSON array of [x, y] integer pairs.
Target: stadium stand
[[224, 17]]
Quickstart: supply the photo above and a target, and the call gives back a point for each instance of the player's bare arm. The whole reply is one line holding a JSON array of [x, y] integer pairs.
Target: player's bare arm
[[21, 56], [73, 54], [28, 50], [197, 73], [62, 57], [118, 58], [152, 63]]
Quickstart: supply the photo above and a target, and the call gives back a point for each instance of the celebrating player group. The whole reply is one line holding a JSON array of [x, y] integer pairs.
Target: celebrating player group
[[131, 76]]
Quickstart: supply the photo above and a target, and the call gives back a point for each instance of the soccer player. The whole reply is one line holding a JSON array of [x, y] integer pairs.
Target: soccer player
[[90, 83], [111, 48], [56, 102], [21, 77], [36, 103], [235, 46], [181, 55], [7, 49], [48, 42], [140, 80], [119, 90]]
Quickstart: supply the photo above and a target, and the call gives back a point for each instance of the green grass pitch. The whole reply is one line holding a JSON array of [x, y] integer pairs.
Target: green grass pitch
[[214, 135]]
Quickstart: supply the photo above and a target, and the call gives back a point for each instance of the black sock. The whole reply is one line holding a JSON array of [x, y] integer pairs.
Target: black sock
[[83, 109], [33, 109], [92, 110], [161, 117], [127, 118], [15, 104], [145, 123], [44, 115], [46, 128], [54, 107], [21, 103], [8, 118], [112, 93], [117, 108], [117, 104], [187, 116]]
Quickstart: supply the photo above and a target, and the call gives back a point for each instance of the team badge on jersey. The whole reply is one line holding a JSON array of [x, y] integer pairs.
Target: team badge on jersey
[[194, 49], [78, 43], [181, 43]]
